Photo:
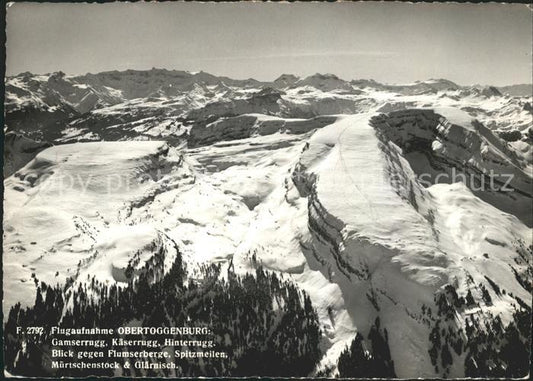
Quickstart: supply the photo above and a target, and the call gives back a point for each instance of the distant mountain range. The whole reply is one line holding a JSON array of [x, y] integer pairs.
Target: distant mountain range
[[66, 108]]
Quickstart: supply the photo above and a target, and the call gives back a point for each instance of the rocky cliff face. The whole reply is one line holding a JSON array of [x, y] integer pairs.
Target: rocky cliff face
[[19, 150], [452, 146]]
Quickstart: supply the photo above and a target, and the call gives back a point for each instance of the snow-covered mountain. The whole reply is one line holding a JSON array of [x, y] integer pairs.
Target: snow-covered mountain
[[407, 205]]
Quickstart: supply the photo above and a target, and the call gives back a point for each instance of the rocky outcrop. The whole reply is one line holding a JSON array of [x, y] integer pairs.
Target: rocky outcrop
[[247, 125], [443, 150], [18, 151]]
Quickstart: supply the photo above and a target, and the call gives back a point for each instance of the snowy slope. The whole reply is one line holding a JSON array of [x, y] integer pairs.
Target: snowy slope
[[62, 204]]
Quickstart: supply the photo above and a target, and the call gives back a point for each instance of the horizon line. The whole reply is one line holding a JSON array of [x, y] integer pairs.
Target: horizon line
[[193, 72]]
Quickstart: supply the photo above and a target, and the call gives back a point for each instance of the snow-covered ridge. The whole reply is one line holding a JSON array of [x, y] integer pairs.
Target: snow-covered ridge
[[389, 265]]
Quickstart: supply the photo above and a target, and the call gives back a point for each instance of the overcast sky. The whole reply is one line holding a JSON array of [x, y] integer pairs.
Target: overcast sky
[[389, 42]]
